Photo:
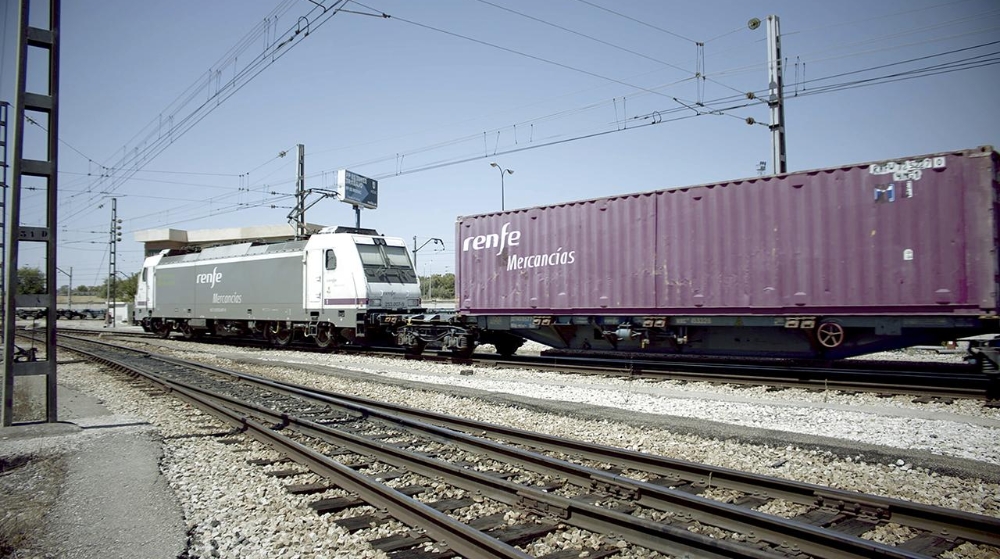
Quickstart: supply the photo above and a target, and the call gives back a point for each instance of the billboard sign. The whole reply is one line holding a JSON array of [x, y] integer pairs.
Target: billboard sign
[[357, 190]]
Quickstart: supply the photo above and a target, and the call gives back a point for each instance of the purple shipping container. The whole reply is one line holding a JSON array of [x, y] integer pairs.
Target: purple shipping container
[[914, 236]]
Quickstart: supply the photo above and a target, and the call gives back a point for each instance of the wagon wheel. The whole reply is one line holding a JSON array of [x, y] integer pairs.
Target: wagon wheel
[[283, 337], [507, 345], [325, 338], [830, 334]]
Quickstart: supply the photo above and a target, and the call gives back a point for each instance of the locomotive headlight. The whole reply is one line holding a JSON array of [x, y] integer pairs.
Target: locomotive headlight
[[413, 302], [375, 302]]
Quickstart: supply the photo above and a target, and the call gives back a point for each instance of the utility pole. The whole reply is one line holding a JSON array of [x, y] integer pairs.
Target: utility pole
[[43, 102], [4, 116], [300, 195], [776, 97], [116, 236]]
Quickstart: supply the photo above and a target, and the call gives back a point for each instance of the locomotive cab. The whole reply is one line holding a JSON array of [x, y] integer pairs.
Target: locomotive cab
[[355, 278], [145, 293]]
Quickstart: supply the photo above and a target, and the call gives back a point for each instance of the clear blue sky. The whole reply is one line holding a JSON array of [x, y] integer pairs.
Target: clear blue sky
[[426, 99]]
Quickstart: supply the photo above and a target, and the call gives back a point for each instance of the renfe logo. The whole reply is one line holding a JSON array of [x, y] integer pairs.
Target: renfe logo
[[504, 239], [212, 277]]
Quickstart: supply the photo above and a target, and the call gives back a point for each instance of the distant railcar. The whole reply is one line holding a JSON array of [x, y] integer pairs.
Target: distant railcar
[[824, 263]]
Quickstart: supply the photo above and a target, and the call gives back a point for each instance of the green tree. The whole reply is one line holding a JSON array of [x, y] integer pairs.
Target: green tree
[[30, 281], [438, 286], [125, 288]]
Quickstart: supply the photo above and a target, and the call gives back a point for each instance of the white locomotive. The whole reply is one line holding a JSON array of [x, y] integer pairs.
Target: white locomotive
[[341, 285]]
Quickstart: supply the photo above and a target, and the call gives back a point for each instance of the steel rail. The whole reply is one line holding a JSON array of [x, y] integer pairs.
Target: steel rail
[[643, 532], [778, 531], [969, 526], [957, 524], [458, 536], [653, 535], [958, 380]]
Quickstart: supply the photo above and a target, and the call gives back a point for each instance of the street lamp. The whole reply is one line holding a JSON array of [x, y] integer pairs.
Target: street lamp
[[70, 293], [502, 173], [416, 249]]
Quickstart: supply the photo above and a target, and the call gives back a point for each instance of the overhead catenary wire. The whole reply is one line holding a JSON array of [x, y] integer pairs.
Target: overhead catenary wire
[[639, 21], [648, 119], [133, 160], [425, 149], [584, 35], [517, 52], [652, 116]]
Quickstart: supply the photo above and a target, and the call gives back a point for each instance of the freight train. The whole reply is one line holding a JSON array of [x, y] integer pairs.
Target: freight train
[[827, 263]]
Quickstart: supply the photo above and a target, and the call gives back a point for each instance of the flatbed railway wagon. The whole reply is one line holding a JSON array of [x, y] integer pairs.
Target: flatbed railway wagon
[[827, 263]]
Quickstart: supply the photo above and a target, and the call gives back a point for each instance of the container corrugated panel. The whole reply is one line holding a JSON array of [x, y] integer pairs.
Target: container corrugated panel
[[909, 236]]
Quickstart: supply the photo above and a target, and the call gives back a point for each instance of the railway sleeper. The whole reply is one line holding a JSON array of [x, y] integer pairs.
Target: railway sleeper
[[308, 488], [398, 542], [932, 545], [337, 504], [591, 553], [363, 522]]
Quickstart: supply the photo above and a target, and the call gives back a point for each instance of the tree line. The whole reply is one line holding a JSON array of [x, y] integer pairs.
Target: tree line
[[32, 281], [438, 286]]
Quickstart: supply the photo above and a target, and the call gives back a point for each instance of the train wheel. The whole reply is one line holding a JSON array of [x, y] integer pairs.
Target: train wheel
[[416, 348], [830, 334], [283, 337], [324, 338], [507, 346], [189, 333], [163, 330]]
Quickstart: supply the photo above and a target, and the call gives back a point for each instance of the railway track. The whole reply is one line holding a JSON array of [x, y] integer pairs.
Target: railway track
[[940, 381], [448, 478]]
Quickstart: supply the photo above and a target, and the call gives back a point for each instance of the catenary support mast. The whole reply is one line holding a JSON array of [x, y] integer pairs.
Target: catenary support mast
[[41, 164], [776, 98]]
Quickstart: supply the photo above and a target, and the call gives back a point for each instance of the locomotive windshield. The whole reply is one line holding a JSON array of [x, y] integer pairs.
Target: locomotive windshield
[[386, 264]]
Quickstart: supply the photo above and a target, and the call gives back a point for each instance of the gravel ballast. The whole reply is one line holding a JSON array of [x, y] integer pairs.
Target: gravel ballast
[[232, 509]]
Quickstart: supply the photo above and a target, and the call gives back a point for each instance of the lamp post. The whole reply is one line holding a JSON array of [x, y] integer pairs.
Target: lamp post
[[502, 173], [70, 292], [415, 250]]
